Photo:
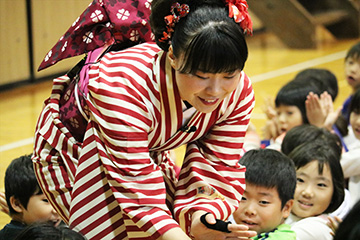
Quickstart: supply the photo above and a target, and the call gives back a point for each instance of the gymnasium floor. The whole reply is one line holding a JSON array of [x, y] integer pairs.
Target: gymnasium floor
[[270, 65]]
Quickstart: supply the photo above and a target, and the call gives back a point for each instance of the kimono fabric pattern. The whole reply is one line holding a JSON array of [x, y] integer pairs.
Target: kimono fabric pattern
[[123, 185]]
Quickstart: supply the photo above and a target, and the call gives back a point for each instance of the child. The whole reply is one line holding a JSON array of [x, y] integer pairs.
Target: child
[[270, 184], [290, 111], [27, 204], [352, 74], [319, 190], [45, 231], [350, 160]]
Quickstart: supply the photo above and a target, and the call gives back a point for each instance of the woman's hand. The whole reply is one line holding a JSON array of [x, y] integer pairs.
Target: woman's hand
[[3, 205], [200, 232]]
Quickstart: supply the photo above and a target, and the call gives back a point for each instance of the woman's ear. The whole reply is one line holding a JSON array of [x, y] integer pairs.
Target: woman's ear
[[16, 205], [171, 57]]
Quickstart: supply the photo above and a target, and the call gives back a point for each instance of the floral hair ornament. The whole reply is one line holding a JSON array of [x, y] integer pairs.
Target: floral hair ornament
[[238, 9], [177, 11]]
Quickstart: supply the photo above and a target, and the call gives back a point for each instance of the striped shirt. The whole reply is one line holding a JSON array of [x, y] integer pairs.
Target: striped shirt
[[120, 183]]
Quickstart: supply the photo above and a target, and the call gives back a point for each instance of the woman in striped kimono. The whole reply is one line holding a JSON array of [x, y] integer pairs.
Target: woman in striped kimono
[[103, 138]]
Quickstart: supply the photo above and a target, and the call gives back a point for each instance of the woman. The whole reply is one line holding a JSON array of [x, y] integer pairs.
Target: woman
[[117, 180]]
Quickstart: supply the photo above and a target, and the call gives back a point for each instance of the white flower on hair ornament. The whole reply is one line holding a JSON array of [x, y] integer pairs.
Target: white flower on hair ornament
[[238, 9]]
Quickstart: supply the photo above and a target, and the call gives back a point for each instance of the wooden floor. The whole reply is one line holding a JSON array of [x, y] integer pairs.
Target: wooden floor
[[270, 65]]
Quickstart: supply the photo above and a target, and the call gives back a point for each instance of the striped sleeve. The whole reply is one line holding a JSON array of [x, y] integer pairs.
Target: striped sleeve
[[120, 122], [211, 178]]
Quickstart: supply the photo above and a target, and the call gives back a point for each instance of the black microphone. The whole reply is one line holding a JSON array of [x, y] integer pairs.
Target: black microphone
[[188, 129]]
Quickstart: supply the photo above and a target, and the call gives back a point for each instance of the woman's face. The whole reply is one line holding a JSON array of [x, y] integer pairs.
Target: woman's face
[[313, 192], [204, 91]]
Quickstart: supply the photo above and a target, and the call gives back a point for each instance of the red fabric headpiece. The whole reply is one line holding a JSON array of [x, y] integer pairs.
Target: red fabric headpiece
[[238, 9]]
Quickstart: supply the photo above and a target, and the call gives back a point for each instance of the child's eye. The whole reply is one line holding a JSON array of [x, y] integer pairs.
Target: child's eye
[[322, 185], [289, 113], [243, 198], [299, 180], [264, 202], [45, 200]]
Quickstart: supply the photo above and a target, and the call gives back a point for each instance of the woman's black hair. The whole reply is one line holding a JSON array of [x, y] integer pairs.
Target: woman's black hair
[[324, 154], [309, 133], [294, 93], [205, 40], [321, 78]]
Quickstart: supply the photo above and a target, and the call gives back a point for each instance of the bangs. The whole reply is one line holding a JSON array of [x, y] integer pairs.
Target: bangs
[[210, 54]]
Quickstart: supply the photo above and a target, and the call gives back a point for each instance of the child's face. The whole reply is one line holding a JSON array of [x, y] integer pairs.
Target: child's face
[[260, 209], [39, 210], [313, 192], [355, 123], [352, 71], [288, 116]]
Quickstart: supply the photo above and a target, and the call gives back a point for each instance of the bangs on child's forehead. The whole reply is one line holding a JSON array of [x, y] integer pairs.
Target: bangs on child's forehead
[[354, 52], [209, 54]]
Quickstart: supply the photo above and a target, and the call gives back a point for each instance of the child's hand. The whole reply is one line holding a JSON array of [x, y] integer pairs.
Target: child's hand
[[316, 109], [333, 223], [269, 108], [3, 205], [270, 130]]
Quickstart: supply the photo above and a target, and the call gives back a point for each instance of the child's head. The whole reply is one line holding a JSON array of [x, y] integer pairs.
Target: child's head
[[352, 66], [44, 231], [354, 110], [308, 133], [205, 40], [270, 184], [320, 78], [26, 201], [320, 180]]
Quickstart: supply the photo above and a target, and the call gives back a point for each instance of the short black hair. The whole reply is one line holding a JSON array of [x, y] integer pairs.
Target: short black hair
[[45, 231], [324, 154], [21, 182], [354, 52], [294, 93], [308, 133], [270, 169], [321, 78], [355, 102]]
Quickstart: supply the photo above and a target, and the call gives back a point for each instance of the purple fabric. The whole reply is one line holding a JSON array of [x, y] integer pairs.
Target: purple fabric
[[104, 21]]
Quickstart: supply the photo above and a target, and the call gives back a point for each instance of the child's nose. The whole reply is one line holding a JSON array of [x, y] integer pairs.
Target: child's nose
[[307, 192], [250, 210]]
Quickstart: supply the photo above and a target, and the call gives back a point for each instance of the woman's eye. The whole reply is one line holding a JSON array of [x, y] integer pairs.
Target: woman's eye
[[201, 77]]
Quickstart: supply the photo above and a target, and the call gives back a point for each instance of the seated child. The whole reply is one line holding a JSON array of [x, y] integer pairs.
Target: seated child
[[319, 190], [27, 204], [350, 160], [45, 231], [268, 198]]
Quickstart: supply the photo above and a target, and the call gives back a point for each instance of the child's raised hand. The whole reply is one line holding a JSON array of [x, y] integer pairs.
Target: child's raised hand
[[270, 130], [269, 107], [3, 205], [316, 110]]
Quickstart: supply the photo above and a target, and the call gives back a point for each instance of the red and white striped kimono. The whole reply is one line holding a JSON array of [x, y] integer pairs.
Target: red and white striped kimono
[[120, 183]]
